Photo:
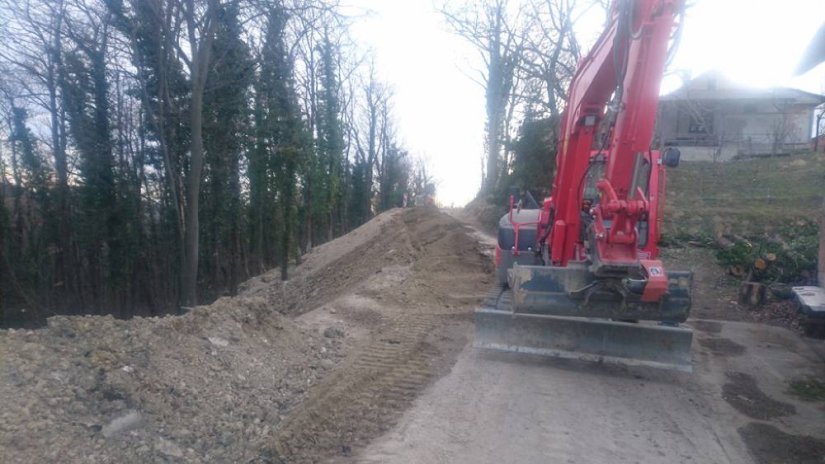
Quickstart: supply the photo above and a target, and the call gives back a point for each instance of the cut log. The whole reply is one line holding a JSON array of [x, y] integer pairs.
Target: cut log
[[737, 271], [760, 264], [752, 293]]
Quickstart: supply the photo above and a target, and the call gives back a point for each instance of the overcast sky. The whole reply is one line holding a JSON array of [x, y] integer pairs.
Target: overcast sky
[[440, 110]]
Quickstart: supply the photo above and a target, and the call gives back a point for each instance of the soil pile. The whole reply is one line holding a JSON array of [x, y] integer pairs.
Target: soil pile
[[335, 267], [206, 386], [484, 213], [408, 319], [243, 380]]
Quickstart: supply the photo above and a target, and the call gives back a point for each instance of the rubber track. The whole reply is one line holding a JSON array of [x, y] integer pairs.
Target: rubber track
[[499, 298]]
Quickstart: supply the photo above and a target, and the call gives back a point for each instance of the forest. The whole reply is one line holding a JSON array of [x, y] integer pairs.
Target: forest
[[154, 154], [527, 51]]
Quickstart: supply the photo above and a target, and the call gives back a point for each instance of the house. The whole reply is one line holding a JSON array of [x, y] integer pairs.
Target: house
[[713, 118]]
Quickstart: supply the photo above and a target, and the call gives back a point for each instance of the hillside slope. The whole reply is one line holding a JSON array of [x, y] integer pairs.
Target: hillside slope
[[743, 197]]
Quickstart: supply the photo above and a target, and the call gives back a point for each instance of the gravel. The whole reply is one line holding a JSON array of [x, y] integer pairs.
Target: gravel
[[208, 386]]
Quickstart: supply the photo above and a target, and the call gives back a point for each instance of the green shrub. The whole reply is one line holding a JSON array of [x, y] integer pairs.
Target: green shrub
[[788, 256]]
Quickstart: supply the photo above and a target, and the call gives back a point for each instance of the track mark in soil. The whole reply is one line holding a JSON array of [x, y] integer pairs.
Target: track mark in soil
[[722, 346], [369, 396], [744, 395], [769, 445], [707, 326], [423, 326]]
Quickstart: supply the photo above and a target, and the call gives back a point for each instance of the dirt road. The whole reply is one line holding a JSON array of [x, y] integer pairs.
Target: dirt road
[[505, 408], [735, 408]]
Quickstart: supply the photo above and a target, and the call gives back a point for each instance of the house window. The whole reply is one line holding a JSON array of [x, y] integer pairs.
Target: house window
[[701, 124]]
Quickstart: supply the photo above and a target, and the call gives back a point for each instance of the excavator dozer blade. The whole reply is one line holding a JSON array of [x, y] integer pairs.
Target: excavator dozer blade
[[599, 340]]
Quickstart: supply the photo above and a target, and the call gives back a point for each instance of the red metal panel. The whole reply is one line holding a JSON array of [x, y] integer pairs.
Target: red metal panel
[[656, 286], [638, 35]]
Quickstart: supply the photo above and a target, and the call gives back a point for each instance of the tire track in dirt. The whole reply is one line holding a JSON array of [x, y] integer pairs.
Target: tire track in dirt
[[426, 317], [368, 396]]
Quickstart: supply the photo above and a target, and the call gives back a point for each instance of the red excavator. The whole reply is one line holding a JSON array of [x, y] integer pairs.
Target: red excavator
[[579, 275]]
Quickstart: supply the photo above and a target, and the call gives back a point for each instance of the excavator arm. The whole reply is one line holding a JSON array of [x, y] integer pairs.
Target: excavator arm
[[625, 65]]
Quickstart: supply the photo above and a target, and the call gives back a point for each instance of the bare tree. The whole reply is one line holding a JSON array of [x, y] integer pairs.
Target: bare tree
[[782, 127], [200, 28], [184, 34], [368, 123], [552, 50], [494, 28], [121, 119], [530, 50], [33, 37]]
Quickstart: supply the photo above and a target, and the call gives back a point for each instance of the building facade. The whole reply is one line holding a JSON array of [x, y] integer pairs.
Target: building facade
[[713, 119]]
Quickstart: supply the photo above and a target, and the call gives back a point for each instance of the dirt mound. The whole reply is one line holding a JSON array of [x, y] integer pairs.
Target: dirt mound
[[202, 386], [484, 213], [419, 320], [242, 380], [210, 385], [335, 267]]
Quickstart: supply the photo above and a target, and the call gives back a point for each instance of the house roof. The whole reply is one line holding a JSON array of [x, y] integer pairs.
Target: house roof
[[714, 86]]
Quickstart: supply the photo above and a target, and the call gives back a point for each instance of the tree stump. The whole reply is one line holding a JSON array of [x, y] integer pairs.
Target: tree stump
[[752, 293]]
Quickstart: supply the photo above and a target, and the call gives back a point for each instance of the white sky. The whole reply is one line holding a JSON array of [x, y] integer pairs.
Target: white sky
[[440, 110]]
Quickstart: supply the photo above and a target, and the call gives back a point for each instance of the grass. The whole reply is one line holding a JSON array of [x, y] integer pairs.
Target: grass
[[744, 197], [808, 389]]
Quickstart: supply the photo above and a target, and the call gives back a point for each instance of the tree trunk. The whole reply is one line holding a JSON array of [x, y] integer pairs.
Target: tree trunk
[[63, 259], [821, 257], [235, 228], [2, 249], [201, 54], [491, 176], [752, 293], [189, 276], [286, 239], [493, 96], [191, 235], [309, 212]]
